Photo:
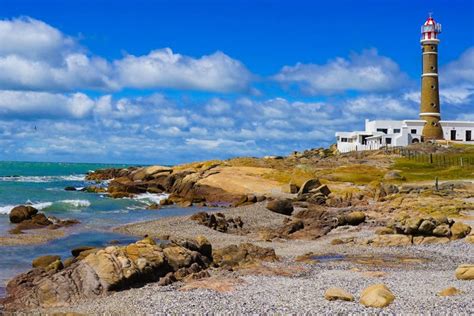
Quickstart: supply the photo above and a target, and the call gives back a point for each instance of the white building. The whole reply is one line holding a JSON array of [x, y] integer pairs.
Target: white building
[[379, 134]]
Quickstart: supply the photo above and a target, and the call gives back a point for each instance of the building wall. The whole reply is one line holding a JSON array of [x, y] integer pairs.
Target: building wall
[[410, 131]]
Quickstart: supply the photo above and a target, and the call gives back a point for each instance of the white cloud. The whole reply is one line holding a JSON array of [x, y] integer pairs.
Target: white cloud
[[164, 68], [459, 71], [44, 104], [366, 72], [37, 56], [382, 107]]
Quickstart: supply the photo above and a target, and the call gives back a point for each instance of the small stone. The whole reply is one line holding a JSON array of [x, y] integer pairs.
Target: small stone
[[450, 291], [336, 293]]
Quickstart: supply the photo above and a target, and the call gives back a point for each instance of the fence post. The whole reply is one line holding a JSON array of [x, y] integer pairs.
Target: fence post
[[431, 158], [461, 160]]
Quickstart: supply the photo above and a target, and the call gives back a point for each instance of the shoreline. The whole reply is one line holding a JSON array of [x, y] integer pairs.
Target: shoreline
[[415, 274]]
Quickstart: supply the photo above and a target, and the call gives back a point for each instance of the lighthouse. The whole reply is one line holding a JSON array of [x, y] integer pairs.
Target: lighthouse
[[430, 107]]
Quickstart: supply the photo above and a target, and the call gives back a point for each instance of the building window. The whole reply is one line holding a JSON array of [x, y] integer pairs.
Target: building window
[[396, 130], [468, 136], [343, 140], [413, 131], [382, 130]]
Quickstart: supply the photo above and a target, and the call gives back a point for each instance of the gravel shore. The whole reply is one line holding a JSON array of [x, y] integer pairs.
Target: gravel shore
[[415, 274]]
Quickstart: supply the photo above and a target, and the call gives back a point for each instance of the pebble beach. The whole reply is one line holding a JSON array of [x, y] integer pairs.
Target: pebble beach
[[415, 275]]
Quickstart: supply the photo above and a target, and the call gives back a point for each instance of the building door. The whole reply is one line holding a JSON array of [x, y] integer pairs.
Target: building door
[[453, 135], [468, 136]]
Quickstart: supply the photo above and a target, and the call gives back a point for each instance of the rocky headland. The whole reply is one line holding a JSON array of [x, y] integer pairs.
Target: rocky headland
[[312, 232]]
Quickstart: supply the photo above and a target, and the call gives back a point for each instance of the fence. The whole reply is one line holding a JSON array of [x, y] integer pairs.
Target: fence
[[439, 159]]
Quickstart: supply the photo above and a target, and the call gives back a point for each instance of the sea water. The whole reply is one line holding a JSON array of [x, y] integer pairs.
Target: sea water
[[42, 185]]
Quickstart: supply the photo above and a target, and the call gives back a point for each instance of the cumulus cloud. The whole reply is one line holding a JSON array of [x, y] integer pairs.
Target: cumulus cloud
[[21, 104], [366, 72], [37, 56], [164, 68]]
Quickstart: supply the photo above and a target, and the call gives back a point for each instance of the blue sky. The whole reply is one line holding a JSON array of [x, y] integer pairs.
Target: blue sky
[[175, 81]]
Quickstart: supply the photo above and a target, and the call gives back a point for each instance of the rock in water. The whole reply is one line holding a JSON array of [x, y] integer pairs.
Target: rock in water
[[44, 261], [465, 272], [284, 207], [21, 213], [336, 293], [377, 295]]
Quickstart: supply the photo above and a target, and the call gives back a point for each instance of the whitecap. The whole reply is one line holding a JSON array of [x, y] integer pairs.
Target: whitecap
[[6, 209], [42, 179], [76, 203], [149, 198]]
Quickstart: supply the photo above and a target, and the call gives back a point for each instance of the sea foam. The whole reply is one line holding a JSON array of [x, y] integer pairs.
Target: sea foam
[[149, 198], [42, 179]]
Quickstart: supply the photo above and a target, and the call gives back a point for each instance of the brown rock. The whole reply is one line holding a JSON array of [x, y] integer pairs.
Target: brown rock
[[309, 185], [20, 213], [284, 207], [450, 291], [390, 240], [243, 254], [377, 295], [429, 240], [336, 293], [78, 250], [44, 261], [465, 272], [442, 231], [460, 230]]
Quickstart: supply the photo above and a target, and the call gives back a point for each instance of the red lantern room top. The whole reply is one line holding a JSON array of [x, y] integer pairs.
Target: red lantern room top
[[430, 30]]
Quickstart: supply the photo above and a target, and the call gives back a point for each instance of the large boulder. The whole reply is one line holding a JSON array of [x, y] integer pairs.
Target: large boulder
[[465, 272], [284, 207], [21, 213], [460, 230], [377, 295]]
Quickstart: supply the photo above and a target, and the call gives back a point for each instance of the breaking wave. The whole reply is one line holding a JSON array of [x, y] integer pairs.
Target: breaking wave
[[39, 206], [42, 179], [149, 198], [58, 205]]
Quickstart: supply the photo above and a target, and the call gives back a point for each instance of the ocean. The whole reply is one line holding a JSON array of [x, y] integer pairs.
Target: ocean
[[42, 185]]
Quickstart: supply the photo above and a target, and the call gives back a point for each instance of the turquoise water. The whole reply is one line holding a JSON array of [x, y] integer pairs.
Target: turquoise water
[[42, 184]]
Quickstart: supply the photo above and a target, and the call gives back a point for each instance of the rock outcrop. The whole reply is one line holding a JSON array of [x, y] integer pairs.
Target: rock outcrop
[[106, 270], [182, 184], [428, 226], [242, 255], [218, 221]]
